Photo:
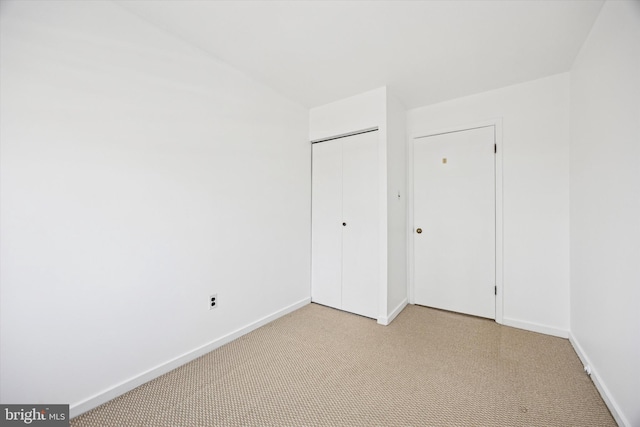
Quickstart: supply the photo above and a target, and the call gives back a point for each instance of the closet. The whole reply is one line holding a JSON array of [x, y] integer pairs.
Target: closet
[[345, 223]]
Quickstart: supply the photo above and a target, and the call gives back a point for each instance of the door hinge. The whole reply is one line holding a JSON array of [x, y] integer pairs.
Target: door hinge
[[495, 290], [495, 148]]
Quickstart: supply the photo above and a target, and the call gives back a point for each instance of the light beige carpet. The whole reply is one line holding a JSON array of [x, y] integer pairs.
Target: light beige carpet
[[323, 367]]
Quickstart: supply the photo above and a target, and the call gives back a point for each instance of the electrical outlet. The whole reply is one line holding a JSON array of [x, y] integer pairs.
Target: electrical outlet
[[213, 301]]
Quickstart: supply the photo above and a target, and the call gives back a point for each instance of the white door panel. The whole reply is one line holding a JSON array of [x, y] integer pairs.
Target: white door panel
[[326, 230], [360, 214], [454, 206]]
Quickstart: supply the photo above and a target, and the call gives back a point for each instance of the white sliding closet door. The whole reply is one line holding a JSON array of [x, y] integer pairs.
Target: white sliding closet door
[[345, 223], [326, 224], [360, 235]]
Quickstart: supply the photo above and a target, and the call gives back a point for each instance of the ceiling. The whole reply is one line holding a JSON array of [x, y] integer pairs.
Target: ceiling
[[315, 52]]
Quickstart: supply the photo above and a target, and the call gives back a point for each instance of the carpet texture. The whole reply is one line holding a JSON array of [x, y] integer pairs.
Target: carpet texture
[[322, 367]]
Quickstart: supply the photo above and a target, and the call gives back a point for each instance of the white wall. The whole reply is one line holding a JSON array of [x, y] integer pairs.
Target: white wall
[[535, 144], [396, 207], [605, 206], [359, 112], [138, 176]]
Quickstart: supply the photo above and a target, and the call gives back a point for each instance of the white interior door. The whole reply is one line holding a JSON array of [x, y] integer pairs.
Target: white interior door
[[360, 273], [326, 224], [454, 221]]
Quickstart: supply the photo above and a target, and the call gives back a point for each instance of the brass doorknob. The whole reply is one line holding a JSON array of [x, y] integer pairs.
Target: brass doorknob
[[419, 230]]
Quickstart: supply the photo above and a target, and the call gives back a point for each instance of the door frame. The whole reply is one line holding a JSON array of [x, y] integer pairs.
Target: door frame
[[499, 274]]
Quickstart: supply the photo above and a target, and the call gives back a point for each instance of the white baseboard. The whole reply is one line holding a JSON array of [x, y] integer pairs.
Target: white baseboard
[[128, 385], [535, 327], [385, 320], [602, 388]]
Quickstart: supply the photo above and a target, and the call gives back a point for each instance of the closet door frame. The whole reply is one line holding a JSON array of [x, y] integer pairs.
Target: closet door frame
[[379, 264]]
